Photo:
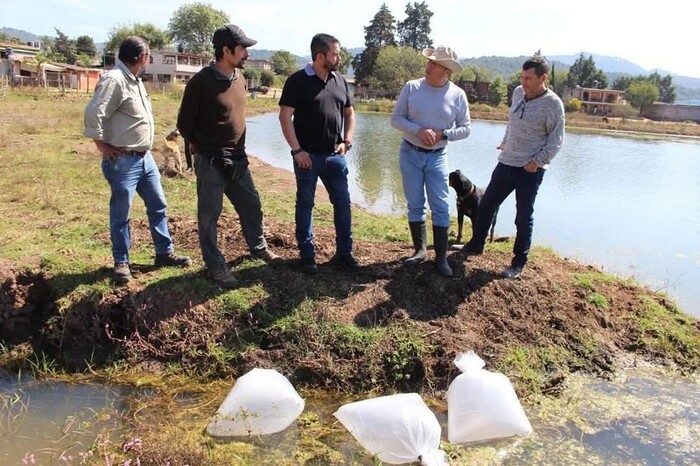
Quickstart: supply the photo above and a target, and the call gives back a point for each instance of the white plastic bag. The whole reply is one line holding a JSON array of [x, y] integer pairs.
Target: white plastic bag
[[396, 428], [260, 402], [482, 405]]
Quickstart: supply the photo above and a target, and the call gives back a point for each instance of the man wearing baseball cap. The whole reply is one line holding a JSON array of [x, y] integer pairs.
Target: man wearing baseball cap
[[212, 119], [231, 35]]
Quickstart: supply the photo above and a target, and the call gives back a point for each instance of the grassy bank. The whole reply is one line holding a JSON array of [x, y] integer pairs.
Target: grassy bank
[[387, 328]]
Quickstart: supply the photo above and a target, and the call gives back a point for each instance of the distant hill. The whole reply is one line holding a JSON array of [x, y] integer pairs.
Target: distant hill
[[688, 88], [605, 63], [20, 34], [505, 66], [264, 54]]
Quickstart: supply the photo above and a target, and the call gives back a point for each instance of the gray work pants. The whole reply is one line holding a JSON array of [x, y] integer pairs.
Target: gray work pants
[[211, 187]]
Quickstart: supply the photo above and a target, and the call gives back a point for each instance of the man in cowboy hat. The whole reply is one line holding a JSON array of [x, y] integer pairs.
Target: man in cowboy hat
[[430, 112]]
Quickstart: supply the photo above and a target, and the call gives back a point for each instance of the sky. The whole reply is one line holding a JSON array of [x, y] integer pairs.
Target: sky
[[654, 37]]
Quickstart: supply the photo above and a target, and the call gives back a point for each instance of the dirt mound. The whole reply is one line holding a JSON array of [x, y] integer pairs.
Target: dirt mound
[[388, 325]]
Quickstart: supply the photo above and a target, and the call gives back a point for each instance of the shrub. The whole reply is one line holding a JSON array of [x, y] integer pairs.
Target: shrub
[[573, 105]]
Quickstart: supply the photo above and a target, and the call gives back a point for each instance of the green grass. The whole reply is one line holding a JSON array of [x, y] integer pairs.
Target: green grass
[[381, 105], [598, 300], [523, 368], [587, 281], [663, 329]]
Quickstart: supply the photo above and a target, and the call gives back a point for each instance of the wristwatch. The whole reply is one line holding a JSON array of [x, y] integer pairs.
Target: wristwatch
[[348, 144], [296, 151], [444, 136]]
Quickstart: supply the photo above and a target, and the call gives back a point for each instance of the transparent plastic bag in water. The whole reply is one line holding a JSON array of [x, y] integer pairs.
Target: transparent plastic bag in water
[[261, 402]]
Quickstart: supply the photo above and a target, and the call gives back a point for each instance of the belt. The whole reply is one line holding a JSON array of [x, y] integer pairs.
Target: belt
[[137, 153], [423, 149]]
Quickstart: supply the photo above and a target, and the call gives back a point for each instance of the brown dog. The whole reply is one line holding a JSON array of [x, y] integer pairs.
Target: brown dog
[[172, 150], [468, 200]]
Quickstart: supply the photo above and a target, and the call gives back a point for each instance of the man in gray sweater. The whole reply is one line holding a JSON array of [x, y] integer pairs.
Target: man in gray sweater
[[534, 136]]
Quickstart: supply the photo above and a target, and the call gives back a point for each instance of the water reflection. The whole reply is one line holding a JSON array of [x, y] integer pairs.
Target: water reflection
[[629, 205]]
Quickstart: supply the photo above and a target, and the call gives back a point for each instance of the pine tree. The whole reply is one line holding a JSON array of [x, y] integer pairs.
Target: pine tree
[[585, 74], [63, 49], [414, 31], [378, 34]]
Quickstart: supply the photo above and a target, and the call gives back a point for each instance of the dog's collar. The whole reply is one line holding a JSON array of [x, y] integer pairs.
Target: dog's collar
[[469, 193]]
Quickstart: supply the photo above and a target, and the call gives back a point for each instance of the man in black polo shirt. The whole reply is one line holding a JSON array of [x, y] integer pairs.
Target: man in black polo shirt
[[318, 123]]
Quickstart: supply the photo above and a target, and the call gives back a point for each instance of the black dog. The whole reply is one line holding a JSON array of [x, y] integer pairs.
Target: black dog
[[468, 200]]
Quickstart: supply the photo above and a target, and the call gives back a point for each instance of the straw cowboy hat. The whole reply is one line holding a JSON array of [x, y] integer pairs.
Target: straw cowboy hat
[[443, 56]]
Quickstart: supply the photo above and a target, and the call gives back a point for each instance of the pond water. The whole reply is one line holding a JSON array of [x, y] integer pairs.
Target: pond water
[[629, 205], [55, 423], [645, 417]]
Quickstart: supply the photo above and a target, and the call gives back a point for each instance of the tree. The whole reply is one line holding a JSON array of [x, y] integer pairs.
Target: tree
[[573, 105], [473, 73], [63, 49], [284, 62], [4, 37], [379, 34], [83, 60], [414, 31], [252, 76], [585, 74], [47, 43], [393, 67], [514, 79], [642, 94], [345, 59], [622, 83], [553, 79], [497, 91], [192, 27], [267, 78], [84, 45], [157, 38], [667, 91]]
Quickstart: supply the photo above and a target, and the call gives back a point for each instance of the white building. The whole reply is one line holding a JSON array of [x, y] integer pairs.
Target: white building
[[168, 67]]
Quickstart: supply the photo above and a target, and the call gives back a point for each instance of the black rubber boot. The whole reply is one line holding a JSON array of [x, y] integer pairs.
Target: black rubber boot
[[440, 242], [419, 236]]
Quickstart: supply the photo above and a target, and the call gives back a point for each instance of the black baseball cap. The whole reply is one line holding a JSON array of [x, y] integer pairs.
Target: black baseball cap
[[231, 35]]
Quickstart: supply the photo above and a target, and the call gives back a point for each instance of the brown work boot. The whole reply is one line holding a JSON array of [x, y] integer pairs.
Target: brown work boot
[[122, 274], [222, 276], [169, 259], [266, 255]]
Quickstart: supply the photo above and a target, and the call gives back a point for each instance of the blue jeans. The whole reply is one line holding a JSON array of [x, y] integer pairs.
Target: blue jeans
[[505, 180], [127, 175], [211, 187], [423, 172], [333, 172]]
